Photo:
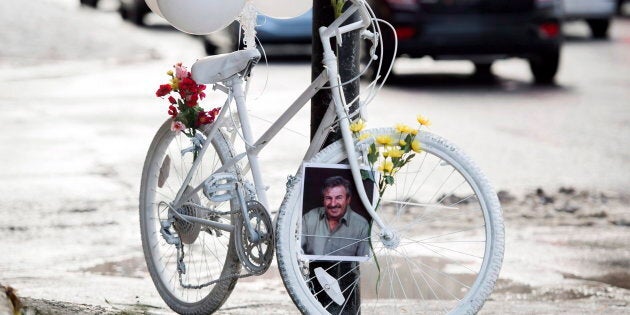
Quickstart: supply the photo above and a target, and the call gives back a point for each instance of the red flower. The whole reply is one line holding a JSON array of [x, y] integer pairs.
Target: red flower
[[200, 89], [188, 85], [172, 100], [163, 90], [192, 100], [214, 112], [172, 111], [207, 117]]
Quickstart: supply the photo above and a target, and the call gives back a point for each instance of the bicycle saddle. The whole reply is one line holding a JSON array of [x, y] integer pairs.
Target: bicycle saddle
[[217, 68]]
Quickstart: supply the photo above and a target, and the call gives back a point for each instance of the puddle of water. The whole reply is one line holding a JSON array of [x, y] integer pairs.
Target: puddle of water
[[420, 277], [133, 267], [619, 279]]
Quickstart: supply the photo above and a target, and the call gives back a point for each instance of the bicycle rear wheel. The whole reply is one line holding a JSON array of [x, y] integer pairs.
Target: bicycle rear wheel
[[208, 254], [451, 240]]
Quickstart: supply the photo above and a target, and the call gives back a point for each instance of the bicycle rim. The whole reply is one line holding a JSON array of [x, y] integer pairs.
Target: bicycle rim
[[208, 254], [450, 230]]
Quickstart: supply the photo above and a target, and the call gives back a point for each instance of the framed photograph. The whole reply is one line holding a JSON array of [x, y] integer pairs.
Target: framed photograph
[[335, 224]]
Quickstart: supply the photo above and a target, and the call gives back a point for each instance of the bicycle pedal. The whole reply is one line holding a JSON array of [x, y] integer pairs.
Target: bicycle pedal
[[220, 187]]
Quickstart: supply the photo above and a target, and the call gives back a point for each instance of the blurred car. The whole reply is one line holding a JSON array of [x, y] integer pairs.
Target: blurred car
[[481, 31], [597, 13], [268, 31], [133, 11], [89, 3]]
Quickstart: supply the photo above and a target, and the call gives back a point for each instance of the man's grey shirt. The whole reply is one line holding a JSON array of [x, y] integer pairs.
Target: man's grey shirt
[[348, 239]]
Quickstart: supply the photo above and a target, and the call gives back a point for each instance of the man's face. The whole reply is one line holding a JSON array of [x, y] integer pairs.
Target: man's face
[[336, 201]]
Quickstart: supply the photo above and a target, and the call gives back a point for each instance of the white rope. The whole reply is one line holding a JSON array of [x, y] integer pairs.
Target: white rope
[[248, 23]]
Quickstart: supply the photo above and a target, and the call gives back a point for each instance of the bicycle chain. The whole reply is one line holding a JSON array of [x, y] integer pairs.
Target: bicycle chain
[[180, 264], [181, 269]]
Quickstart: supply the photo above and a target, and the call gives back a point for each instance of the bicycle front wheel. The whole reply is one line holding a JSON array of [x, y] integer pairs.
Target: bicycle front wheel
[[208, 261], [446, 255]]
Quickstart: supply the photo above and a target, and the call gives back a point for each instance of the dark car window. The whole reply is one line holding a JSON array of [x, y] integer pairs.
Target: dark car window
[[475, 6]]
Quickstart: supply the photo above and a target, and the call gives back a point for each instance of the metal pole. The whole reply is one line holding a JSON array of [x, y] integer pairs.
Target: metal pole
[[348, 58], [348, 55]]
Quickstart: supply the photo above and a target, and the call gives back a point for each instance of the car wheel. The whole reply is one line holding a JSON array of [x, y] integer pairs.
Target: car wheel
[[545, 66], [89, 3], [209, 46], [483, 70], [599, 27], [123, 12], [135, 15]]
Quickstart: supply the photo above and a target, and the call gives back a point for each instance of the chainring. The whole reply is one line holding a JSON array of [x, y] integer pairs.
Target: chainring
[[255, 256]]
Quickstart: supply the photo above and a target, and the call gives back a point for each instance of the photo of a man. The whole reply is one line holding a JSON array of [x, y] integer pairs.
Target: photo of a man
[[333, 230]]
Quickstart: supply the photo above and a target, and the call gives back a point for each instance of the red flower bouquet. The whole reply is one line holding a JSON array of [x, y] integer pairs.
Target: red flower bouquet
[[184, 95]]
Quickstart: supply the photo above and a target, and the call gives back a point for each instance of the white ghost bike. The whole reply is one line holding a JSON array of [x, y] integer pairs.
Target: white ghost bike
[[436, 239]]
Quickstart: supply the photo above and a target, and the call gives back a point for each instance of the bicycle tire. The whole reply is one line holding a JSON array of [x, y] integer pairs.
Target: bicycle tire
[[160, 182], [469, 283]]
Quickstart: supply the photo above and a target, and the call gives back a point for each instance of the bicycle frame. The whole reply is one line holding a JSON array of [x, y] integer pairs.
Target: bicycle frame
[[234, 87]]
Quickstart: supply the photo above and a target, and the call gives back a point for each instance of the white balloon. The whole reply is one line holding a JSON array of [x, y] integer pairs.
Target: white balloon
[[152, 4], [283, 9], [200, 16]]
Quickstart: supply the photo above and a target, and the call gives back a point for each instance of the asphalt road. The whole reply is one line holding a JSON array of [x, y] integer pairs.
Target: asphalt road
[[78, 113]]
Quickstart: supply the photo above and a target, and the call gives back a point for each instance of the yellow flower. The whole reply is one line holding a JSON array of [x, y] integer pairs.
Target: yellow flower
[[169, 72], [402, 128], [357, 125], [175, 83], [386, 167], [384, 140], [423, 120], [395, 153], [364, 136], [415, 146], [402, 143], [413, 131]]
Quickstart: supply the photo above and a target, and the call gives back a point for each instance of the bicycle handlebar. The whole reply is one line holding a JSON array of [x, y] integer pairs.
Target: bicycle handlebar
[[336, 30]]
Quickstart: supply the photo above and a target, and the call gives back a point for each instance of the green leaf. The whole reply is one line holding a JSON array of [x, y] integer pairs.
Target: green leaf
[[365, 174], [409, 138], [373, 155], [389, 179]]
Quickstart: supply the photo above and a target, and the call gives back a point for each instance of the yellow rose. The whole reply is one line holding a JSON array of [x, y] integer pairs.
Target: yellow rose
[[415, 146], [386, 167], [357, 125], [384, 140], [423, 120]]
